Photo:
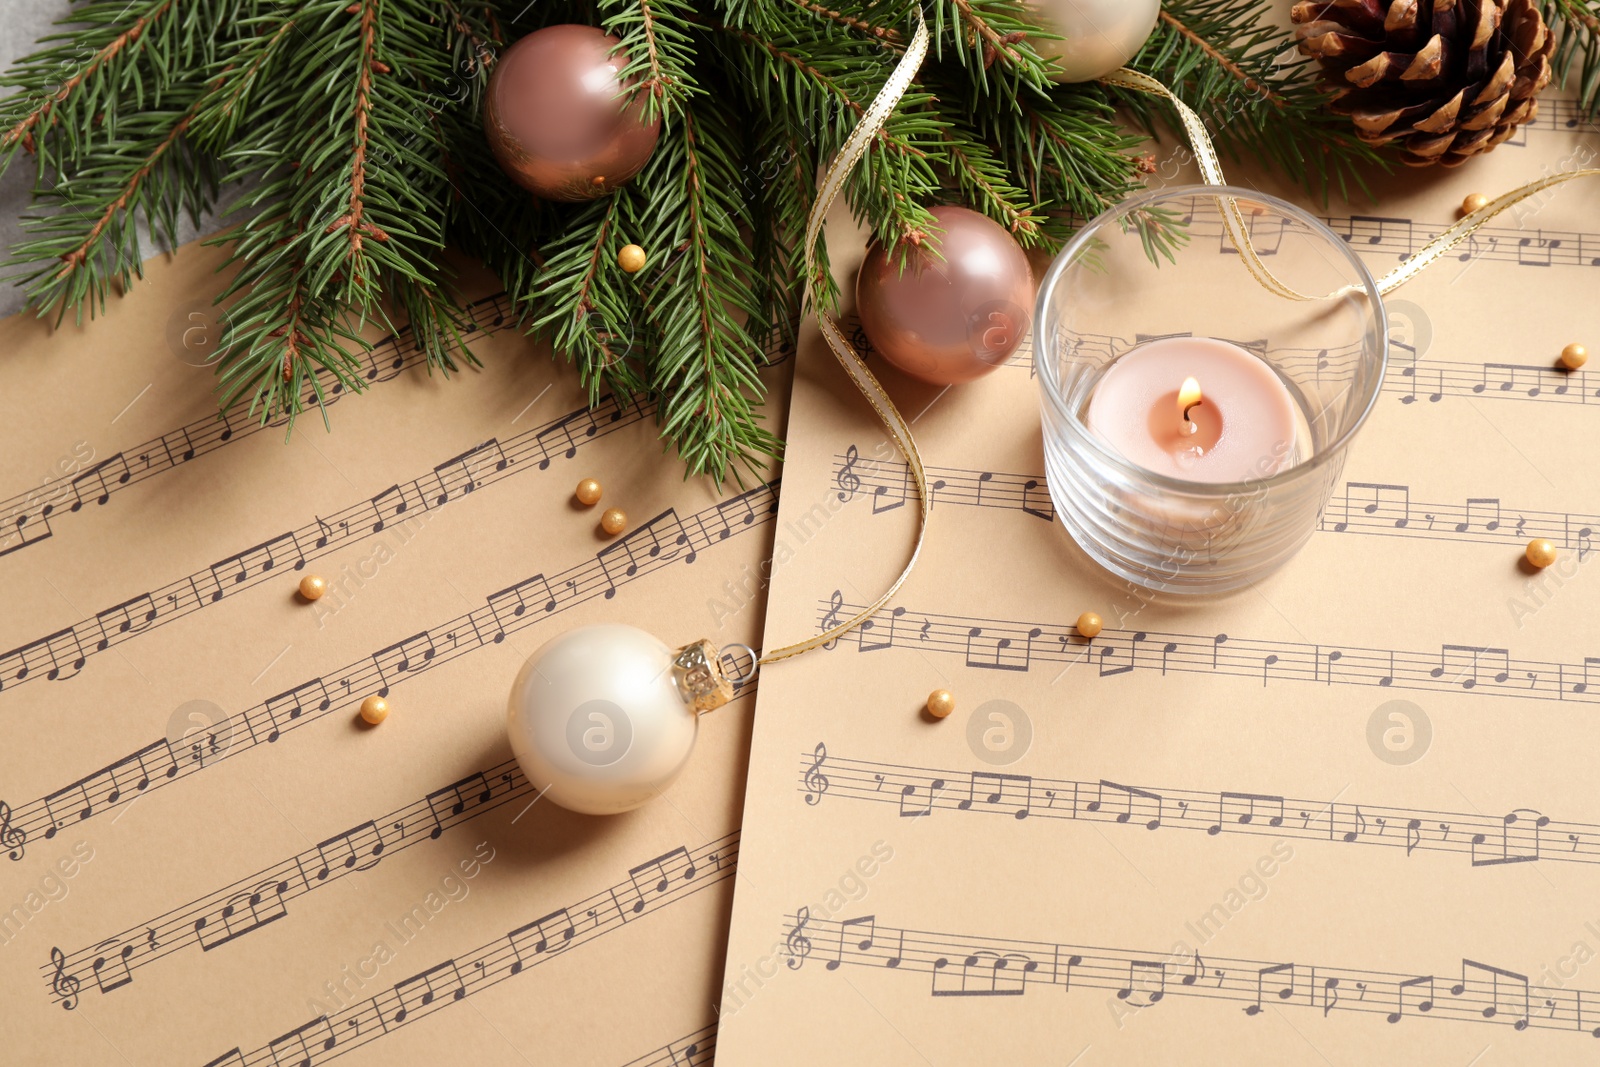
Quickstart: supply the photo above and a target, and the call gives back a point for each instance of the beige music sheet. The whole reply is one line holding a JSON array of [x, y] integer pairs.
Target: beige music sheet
[[205, 856], [1345, 817]]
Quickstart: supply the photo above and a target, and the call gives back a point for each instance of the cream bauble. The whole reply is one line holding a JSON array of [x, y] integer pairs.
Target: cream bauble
[[603, 718], [1098, 36]]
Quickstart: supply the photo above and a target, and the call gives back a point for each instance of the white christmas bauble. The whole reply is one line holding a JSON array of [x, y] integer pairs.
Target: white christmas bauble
[[599, 720], [1098, 36]]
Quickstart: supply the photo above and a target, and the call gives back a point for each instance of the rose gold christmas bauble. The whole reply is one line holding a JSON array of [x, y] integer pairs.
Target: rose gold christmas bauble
[[952, 319], [555, 117]]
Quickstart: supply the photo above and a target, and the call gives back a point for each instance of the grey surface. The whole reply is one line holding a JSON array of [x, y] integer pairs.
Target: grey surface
[[22, 23]]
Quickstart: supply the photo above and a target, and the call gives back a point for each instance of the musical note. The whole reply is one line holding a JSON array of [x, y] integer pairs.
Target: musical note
[[1036, 501], [563, 428], [449, 804], [382, 510], [411, 654], [1000, 791], [357, 849], [1424, 1005], [252, 910], [797, 946], [1128, 793], [420, 990], [655, 875], [1109, 649], [1390, 502], [548, 933], [1470, 974], [113, 465], [1507, 375], [1481, 503], [866, 924], [649, 543], [996, 653], [909, 792], [295, 1050], [235, 569], [1394, 234], [1284, 992], [1142, 976], [1521, 846], [61, 650], [1470, 674], [118, 974], [1350, 835], [131, 616], [282, 710], [510, 603], [894, 495], [1230, 800], [985, 974], [463, 470], [815, 781], [64, 985]]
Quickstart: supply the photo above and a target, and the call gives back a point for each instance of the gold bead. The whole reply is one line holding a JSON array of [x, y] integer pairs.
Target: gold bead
[[631, 258], [1089, 625], [374, 710], [1574, 356], [312, 587], [613, 521], [1474, 202], [941, 702], [1541, 553], [588, 492]]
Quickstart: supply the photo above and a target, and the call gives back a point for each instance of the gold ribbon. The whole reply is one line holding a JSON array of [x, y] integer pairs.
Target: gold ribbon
[[1211, 171], [832, 183]]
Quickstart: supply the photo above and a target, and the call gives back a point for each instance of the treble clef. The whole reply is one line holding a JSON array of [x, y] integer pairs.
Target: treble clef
[[831, 619], [847, 479], [798, 945], [816, 781], [65, 985], [12, 838]]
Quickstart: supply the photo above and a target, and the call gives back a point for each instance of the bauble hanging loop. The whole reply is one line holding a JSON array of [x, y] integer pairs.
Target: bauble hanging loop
[[557, 118]]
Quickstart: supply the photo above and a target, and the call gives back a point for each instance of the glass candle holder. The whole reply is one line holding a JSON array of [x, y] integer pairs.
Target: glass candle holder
[[1167, 265]]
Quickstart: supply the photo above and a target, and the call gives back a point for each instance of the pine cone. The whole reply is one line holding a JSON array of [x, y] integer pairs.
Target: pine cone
[[1446, 79]]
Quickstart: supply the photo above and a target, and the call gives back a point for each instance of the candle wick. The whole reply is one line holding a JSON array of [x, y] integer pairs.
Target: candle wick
[[1188, 427]]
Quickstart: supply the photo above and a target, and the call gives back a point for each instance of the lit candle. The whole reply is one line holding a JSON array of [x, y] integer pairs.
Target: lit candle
[[1198, 409]]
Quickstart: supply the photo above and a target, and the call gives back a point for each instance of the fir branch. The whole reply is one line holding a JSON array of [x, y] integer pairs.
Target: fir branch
[[586, 305], [70, 257], [986, 183], [352, 221], [700, 302], [1576, 24], [1217, 56], [37, 105], [861, 25], [656, 36]]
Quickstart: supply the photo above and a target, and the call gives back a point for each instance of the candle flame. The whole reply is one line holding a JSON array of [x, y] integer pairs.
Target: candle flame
[[1189, 398]]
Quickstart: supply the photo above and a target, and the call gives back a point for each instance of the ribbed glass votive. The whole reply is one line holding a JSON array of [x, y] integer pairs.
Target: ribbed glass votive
[[1166, 265]]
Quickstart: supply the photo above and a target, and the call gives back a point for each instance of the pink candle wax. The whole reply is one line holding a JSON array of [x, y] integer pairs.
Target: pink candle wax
[[1243, 428]]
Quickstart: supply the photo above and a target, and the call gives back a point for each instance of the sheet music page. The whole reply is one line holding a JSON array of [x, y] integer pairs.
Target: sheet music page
[[205, 856], [1346, 816]]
